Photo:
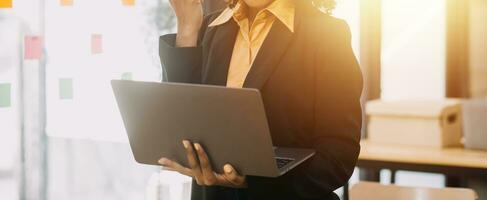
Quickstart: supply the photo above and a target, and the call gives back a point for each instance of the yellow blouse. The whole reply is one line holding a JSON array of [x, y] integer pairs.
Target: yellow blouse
[[252, 35]]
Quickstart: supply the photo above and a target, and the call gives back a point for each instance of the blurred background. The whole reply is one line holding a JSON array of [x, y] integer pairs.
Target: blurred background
[[61, 136]]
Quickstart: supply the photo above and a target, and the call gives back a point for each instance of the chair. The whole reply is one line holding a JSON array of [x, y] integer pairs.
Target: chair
[[369, 190]]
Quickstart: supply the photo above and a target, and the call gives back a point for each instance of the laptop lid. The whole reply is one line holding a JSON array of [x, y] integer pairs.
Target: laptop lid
[[230, 123]]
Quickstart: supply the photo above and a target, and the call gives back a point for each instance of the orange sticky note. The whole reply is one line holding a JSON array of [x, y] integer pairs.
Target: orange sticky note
[[128, 2], [66, 2], [33, 47], [96, 44], [5, 3]]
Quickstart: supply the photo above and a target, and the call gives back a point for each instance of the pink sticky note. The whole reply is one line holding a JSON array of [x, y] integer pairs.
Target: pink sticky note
[[33, 47], [96, 44]]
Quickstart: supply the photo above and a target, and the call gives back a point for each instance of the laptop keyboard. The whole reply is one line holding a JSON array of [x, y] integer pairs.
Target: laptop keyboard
[[281, 162]]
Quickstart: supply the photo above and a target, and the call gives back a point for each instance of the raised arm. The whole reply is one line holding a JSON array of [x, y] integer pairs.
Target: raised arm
[[180, 55]]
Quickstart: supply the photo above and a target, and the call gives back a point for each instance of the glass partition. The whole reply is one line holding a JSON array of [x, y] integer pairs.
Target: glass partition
[[88, 43]]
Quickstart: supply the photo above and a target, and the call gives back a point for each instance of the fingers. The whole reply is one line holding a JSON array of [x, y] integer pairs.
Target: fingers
[[193, 162], [232, 176], [174, 166], [209, 177], [200, 168]]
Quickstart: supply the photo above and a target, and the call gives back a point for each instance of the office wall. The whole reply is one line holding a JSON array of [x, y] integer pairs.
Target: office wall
[[478, 48]]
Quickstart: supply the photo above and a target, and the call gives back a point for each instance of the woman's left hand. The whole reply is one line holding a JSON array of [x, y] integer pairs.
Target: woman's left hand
[[201, 171]]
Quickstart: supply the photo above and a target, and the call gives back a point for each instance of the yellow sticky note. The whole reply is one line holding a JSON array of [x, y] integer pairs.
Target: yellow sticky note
[[128, 2], [5, 3], [66, 2]]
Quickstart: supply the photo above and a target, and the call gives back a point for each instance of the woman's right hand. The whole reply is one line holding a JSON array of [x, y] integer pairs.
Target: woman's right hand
[[189, 14]]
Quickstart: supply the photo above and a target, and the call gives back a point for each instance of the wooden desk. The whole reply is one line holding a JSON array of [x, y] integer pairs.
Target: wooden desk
[[368, 190], [456, 163]]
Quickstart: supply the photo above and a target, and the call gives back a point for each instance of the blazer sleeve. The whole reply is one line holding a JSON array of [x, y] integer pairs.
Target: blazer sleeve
[[337, 126], [180, 64], [183, 64]]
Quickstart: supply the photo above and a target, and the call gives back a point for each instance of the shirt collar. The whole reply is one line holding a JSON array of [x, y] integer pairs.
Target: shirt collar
[[284, 10]]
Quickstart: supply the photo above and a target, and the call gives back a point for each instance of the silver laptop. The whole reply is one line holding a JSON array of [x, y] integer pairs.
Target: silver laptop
[[230, 124]]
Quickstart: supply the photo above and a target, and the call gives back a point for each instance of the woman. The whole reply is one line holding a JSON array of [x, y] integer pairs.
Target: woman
[[301, 60]]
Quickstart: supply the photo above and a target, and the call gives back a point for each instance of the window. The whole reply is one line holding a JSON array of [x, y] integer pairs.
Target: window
[[413, 49], [414, 61], [86, 51]]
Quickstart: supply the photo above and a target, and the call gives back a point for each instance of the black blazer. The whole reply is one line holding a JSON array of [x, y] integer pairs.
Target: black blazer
[[311, 85]]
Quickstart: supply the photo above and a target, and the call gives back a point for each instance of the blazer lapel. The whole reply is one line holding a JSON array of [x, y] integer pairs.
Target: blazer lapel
[[271, 52], [220, 53]]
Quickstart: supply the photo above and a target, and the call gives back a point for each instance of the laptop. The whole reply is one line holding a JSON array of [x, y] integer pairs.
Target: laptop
[[230, 123]]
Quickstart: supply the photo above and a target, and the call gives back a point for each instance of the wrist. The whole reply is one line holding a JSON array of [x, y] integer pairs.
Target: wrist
[[186, 38], [187, 33], [188, 30], [183, 40]]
